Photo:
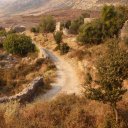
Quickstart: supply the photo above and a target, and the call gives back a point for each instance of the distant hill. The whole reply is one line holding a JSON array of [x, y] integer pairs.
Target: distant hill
[[113, 1], [35, 7]]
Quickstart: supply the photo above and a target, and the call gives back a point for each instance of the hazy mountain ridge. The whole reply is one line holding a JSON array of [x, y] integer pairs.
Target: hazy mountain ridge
[[39, 6]]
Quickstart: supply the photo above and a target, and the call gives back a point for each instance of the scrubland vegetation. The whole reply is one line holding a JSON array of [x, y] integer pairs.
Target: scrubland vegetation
[[64, 112], [16, 78], [101, 40], [107, 26]]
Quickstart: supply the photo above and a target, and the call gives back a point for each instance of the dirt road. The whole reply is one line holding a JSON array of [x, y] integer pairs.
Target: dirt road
[[67, 81]]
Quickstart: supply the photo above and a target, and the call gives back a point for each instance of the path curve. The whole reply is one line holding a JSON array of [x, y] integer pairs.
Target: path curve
[[67, 81]]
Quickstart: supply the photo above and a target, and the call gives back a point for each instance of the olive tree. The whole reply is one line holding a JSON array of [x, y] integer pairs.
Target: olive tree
[[112, 70], [18, 44]]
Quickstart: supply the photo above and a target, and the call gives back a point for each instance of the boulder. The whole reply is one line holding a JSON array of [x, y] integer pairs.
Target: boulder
[[18, 29]]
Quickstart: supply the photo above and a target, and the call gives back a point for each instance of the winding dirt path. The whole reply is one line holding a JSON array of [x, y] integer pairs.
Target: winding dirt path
[[67, 81]]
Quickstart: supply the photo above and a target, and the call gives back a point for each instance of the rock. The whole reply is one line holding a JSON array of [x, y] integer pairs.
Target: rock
[[65, 31], [58, 26], [18, 29]]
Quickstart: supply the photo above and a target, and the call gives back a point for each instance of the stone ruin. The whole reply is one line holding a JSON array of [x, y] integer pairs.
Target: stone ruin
[[58, 26], [65, 31], [29, 92], [26, 94], [18, 28]]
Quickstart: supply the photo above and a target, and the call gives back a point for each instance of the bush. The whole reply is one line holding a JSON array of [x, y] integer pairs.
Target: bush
[[64, 48], [2, 33], [39, 61], [18, 44], [112, 71], [67, 24], [75, 25], [91, 33], [47, 24], [64, 112], [107, 26], [58, 37], [35, 30], [113, 19]]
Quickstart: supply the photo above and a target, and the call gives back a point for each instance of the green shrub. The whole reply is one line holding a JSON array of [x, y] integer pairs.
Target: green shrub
[[67, 24], [35, 30], [18, 44], [113, 19], [112, 70], [47, 24], [91, 33], [64, 48], [58, 37], [39, 61], [107, 26], [75, 25], [3, 33]]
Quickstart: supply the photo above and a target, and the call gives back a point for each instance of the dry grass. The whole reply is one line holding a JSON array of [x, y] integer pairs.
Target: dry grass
[[15, 79], [67, 111]]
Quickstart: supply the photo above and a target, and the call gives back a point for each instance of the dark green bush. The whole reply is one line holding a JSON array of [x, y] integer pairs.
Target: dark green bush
[[58, 37], [18, 44], [107, 26], [91, 33], [47, 24], [3, 33], [35, 30], [67, 24], [75, 25], [64, 48], [39, 61]]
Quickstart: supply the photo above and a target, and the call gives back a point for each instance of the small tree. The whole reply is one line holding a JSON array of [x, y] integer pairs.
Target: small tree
[[113, 70], [58, 37], [47, 24], [91, 33], [113, 19], [18, 44]]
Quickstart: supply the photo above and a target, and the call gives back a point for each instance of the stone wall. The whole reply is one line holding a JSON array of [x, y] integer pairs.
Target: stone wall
[[27, 93]]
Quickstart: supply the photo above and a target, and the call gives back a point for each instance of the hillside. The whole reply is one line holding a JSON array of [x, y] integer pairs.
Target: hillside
[[113, 1], [37, 7]]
